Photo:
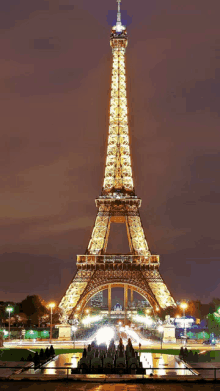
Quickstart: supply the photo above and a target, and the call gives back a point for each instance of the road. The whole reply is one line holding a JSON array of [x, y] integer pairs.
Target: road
[[82, 344], [124, 332]]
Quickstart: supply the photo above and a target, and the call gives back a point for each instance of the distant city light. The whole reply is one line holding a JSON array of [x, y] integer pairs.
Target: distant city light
[[184, 322]]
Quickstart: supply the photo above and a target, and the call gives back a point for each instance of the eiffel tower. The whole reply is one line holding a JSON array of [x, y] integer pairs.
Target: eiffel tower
[[96, 270]]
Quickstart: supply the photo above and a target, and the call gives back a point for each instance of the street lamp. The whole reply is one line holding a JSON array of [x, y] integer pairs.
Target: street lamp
[[160, 329], [9, 310], [74, 328], [51, 305], [184, 307]]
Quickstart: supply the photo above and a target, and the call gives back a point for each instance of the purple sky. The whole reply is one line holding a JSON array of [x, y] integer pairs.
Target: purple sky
[[55, 65]]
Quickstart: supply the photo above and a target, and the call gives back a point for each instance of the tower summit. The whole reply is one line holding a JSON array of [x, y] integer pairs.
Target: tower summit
[[118, 170], [119, 28], [97, 270]]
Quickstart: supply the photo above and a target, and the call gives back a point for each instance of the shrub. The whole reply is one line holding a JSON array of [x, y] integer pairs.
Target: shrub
[[52, 351]]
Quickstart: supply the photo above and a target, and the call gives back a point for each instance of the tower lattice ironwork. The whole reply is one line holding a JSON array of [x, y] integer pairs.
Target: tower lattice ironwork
[[96, 270]]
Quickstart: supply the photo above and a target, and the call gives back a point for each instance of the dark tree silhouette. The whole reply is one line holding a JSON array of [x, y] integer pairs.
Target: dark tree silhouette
[[34, 307]]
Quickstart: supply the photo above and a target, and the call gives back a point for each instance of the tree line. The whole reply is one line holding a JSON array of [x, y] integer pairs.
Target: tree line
[[32, 311], [195, 309]]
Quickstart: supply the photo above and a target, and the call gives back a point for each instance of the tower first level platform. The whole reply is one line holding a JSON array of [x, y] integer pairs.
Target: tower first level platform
[[98, 272]]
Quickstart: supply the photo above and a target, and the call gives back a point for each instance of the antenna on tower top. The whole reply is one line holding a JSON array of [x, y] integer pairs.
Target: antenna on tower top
[[119, 11], [119, 28]]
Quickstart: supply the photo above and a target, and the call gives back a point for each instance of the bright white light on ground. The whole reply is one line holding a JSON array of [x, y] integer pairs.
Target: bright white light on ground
[[105, 334], [139, 318], [135, 337], [91, 319], [144, 319], [148, 321]]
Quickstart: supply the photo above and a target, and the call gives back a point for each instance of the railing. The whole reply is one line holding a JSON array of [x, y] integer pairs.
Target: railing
[[120, 259], [194, 371]]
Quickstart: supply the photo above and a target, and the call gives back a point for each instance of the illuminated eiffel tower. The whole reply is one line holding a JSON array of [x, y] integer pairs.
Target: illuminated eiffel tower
[[96, 270]]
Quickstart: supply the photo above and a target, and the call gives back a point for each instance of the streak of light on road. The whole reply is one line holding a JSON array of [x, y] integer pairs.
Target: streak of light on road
[[134, 335]]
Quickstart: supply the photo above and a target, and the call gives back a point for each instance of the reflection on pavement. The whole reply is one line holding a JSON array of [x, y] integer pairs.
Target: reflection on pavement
[[163, 362], [149, 360]]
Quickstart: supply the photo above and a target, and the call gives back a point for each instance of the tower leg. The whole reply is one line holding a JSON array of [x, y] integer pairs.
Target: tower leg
[[109, 299], [132, 295]]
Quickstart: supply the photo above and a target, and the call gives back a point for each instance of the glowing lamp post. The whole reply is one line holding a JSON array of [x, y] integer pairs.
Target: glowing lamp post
[[184, 307], [160, 329], [51, 305], [9, 310]]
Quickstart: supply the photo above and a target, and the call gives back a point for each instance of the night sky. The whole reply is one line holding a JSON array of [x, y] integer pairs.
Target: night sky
[[55, 66]]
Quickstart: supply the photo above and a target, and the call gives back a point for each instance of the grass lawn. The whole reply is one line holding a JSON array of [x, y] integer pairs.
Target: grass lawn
[[15, 354], [175, 352], [63, 351], [7, 354]]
